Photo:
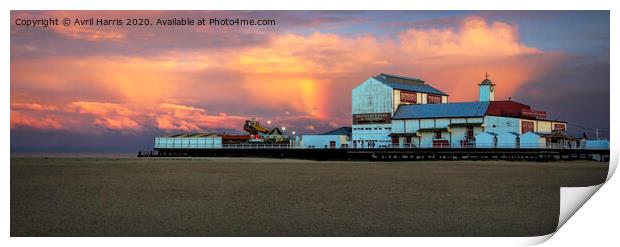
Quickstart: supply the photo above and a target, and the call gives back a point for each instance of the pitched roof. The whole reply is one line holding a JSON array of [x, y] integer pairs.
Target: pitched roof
[[461, 109], [192, 135], [277, 131], [407, 83], [339, 131]]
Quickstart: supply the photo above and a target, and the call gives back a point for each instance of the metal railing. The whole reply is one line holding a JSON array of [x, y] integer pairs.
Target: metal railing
[[388, 146]]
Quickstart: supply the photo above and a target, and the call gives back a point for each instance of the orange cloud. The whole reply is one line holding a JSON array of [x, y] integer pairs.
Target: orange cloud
[[36, 122], [299, 74], [186, 118], [108, 115], [127, 118], [100, 109], [475, 38], [32, 107]]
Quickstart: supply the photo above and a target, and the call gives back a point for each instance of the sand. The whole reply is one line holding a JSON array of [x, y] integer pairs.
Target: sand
[[281, 197]]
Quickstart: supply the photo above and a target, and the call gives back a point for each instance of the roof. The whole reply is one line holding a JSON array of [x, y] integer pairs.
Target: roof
[[486, 82], [506, 108], [400, 78], [465, 124], [432, 129], [445, 110], [277, 131], [343, 131], [192, 135], [407, 83]]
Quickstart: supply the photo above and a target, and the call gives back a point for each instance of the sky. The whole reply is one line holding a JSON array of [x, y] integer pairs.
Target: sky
[[114, 88]]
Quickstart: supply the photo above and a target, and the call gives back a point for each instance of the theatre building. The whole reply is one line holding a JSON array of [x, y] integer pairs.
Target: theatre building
[[396, 111], [375, 101], [482, 124]]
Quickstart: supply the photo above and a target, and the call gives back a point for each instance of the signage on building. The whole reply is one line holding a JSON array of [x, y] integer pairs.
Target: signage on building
[[559, 127], [372, 118], [433, 99], [527, 126], [408, 97], [528, 113]]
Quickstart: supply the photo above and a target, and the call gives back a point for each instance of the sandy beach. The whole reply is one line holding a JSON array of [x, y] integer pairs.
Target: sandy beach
[[281, 197]]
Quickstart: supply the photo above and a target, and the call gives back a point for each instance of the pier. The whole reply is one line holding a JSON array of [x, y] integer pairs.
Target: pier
[[385, 154]]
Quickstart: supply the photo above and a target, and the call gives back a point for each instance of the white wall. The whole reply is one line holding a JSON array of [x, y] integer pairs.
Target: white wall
[[501, 125], [379, 133], [188, 142], [455, 135], [507, 140], [485, 140], [321, 141], [532, 140], [372, 96]]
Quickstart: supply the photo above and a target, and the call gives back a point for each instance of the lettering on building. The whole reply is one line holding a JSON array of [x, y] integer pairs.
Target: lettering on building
[[372, 118]]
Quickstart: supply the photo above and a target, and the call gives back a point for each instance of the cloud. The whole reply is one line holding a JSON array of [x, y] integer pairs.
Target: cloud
[[187, 118], [310, 76], [475, 38], [19, 119], [32, 107], [98, 117]]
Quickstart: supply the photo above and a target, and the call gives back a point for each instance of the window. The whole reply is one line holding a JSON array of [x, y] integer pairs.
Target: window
[[433, 99], [408, 97], [527, 126], [470, 132], [437, 134], [394, 140]]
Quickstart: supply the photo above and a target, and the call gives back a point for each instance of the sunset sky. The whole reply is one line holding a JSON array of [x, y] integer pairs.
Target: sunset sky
[[112, 89]]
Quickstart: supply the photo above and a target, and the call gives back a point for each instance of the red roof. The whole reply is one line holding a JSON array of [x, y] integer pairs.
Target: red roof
[[506, 108]]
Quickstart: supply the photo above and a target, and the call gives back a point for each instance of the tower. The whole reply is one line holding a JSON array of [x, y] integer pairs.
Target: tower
[[487, 89]]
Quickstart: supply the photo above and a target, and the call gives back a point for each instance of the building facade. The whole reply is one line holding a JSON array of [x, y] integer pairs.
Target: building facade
[[338, 138], [375, 101], [483, 124], [397, 111]]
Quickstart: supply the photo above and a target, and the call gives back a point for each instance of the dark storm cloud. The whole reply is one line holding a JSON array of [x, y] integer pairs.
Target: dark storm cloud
[[576, 89]]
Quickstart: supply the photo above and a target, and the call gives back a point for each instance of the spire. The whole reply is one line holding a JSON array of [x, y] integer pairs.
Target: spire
[[486, 88], [486, 80]]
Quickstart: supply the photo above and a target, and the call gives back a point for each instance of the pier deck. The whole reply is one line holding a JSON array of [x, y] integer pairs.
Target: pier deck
[[389, 153]]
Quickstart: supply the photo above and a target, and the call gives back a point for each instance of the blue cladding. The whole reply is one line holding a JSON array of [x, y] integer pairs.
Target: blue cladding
[[424, 88], [462, 109]]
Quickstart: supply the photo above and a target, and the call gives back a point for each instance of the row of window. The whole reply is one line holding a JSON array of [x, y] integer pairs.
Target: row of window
[[411, 97], [376, 128]]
